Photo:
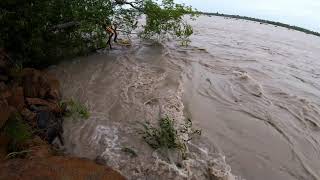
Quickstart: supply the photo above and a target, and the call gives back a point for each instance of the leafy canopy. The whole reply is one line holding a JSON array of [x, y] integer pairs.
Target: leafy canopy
[[41, 31]]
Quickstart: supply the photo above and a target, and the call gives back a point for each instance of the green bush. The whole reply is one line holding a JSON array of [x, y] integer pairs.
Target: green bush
[[41, 32]]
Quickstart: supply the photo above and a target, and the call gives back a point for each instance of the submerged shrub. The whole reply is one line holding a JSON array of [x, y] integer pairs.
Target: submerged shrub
[[167, 135]]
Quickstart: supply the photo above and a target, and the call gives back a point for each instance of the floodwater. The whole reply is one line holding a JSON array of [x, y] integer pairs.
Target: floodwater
[[253, 89]]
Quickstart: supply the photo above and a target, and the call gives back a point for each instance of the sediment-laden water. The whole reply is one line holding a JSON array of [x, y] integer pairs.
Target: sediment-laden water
[[253, 89]]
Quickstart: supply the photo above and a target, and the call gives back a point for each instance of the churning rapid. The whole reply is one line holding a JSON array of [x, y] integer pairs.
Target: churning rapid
[[253, 89]]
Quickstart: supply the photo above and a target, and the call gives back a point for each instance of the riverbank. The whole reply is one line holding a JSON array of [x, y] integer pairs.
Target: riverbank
[[261, 21], [31, 118]]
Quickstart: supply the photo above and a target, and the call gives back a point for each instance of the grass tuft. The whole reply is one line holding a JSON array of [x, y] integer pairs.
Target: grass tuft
[[19, 132], [75, 109], [17, 129]]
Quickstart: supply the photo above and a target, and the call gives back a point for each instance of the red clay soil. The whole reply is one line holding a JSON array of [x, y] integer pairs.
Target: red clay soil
[[56, 168]]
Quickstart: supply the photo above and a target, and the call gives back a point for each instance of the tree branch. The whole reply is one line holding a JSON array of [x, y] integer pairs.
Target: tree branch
[[123, 2]]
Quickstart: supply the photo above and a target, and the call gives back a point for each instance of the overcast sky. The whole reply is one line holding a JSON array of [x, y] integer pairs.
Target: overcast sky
[[303, 13]]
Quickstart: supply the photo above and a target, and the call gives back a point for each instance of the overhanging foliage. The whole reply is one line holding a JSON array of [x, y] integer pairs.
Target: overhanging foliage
[[40, 32]]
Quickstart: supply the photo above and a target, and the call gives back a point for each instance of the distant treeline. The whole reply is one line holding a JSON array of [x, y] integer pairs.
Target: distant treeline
[[264, 21]]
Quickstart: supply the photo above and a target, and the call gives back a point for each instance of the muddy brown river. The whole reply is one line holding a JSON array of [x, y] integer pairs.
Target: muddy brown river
[[253, 89]]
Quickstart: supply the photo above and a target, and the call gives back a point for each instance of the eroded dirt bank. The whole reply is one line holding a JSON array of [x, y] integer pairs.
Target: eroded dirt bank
[[31, 118]]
